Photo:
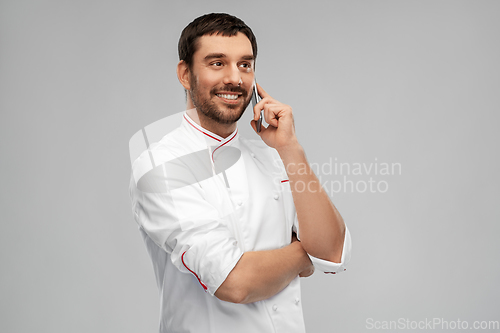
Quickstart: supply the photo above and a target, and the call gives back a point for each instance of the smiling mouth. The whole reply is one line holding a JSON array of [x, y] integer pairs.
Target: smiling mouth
[[231, 97]]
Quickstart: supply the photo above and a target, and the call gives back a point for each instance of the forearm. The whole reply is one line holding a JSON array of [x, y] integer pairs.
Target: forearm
[[259, 275], [321, 226]]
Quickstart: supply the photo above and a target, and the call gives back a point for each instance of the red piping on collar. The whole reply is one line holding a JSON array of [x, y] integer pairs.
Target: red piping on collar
[[200, 129], [224, 144]]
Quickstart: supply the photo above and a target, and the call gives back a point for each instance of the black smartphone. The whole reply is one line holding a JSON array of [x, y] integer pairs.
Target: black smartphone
[[255, 100]]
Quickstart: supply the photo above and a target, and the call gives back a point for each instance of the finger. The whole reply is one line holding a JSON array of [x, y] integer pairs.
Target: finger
[[271, 114], [258, 107], [265, 99], [256, 112], [261, 105], [253, 123]]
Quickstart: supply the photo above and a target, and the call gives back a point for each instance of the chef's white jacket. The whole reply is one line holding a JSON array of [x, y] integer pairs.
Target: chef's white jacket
[[201, 201]]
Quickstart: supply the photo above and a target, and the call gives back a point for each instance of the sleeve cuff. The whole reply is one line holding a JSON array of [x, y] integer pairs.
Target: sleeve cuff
[[216, 283], [329, 267]]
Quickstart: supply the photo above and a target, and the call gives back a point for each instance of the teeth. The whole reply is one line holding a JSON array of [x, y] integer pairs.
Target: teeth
[[228, 96]]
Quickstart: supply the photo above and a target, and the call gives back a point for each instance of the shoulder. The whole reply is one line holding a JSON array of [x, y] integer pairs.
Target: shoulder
[[163, 150], [172, 146]]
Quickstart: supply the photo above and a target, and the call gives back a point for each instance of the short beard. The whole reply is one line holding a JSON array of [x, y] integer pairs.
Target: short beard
[[208, 108]]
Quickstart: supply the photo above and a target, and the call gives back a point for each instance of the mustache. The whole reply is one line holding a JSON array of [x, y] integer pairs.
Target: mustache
[[230, 88]]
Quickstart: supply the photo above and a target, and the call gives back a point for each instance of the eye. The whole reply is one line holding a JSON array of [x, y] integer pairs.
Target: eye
[[217, 64], [245, 66]]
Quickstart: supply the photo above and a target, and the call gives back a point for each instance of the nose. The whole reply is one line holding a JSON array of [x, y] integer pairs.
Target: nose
[[232, 75]]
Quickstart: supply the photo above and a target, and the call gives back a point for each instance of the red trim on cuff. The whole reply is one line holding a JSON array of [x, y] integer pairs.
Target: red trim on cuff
[[284, 181], [202, 284]]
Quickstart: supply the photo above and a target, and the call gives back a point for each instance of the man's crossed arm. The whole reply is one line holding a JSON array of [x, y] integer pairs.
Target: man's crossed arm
[[262, 274], [259, 275]]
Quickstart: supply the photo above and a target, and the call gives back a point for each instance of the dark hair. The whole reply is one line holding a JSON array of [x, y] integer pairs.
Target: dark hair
[[209, 24]]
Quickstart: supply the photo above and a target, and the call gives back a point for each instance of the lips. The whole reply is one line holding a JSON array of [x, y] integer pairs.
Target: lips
[[228, 96]]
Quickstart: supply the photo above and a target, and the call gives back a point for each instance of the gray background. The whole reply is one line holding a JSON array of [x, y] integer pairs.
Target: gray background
[[410, 82]]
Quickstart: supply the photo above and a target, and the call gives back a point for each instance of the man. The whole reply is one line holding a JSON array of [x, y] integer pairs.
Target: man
[[222, 216]]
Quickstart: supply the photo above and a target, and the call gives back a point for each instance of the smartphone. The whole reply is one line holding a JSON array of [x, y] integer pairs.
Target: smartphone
[[255, 100]]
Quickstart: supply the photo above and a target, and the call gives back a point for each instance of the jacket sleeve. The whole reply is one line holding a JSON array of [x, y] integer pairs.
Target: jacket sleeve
[[170, 205]]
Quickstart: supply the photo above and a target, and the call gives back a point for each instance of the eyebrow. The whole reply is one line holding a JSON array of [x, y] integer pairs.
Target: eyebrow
[[222, 55]]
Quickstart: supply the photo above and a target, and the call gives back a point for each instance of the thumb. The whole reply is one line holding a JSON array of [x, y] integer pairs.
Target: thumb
[[253, 123]]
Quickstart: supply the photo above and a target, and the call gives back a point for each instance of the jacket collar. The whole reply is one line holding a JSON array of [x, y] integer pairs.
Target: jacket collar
[[210, 138]]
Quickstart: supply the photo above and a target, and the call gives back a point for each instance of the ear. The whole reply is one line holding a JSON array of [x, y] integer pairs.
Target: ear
[[183, 74]]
